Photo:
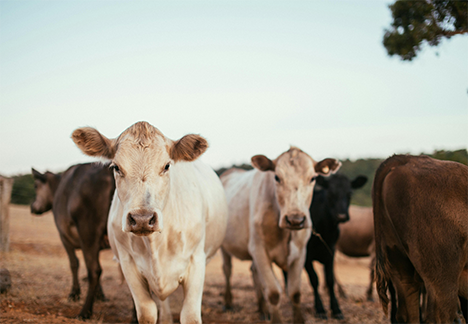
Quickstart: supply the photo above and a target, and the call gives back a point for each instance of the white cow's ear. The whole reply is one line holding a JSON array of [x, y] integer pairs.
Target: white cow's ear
[[327, 167], [93, 143], [263, 163], [188, 148]]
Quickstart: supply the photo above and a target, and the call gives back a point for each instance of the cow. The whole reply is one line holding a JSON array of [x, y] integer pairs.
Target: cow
[[357, 240], [328, 209], [420, 210], [167, 219], [80, 200], [269, 221]]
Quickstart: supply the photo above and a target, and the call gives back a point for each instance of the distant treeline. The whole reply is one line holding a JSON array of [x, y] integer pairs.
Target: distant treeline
[[23, 186]]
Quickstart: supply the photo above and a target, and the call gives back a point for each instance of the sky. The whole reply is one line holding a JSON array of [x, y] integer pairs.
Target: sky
[[252, 77]]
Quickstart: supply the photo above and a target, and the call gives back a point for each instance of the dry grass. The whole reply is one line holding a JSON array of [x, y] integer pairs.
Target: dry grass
[[41, 280]]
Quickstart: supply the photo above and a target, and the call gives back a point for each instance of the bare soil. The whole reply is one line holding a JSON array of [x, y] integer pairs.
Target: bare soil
[[41, 282]]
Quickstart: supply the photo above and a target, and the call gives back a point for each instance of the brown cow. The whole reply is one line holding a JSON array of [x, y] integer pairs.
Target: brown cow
[[421, 236], [269, 221], [80, 199], [357, 240]]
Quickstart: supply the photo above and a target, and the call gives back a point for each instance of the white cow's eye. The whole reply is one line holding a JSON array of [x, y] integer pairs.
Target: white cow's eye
[[313, 179], [115, 168], [167, 167], [277, 179]]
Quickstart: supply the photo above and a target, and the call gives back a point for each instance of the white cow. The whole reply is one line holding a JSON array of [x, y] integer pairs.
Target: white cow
[[167, 219], [269, 221]]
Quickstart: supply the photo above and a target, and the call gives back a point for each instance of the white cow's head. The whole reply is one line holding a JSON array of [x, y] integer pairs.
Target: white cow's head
[[141, 159], [294, 174]]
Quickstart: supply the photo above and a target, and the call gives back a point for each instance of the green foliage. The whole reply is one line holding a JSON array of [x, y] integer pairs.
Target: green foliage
[[240, 166], [418, 22], [23, 190], [460, 156], [23, 186]]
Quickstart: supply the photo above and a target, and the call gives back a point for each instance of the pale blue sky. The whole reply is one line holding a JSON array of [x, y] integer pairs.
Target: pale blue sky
[[253, 77]]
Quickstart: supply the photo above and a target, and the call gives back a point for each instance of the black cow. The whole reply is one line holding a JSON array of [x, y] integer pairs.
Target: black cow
[[329, 207], [80, 199]]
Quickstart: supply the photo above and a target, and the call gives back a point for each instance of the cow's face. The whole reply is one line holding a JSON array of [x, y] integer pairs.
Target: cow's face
[[294, 174], [44, 193], [142, 158], [338, 191]]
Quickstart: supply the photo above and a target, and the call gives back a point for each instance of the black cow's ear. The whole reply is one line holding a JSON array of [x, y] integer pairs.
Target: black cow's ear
[[37, 175], [322, 182], [359, 182]]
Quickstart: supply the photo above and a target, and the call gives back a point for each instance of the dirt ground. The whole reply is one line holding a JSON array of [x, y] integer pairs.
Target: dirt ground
[[41, 282]]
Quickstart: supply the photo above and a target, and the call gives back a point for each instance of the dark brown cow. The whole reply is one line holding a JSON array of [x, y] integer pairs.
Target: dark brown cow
[[80, 199], [357, 240], [421, 236]]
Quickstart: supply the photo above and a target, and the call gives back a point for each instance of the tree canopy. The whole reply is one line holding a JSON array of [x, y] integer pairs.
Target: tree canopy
[[423, 21]]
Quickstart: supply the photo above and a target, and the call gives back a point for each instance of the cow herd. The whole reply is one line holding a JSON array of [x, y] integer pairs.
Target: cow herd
[[165, 214]]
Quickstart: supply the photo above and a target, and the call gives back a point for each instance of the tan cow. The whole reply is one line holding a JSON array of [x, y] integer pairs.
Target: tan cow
[[269, 221], [167, 219], [357, 240]]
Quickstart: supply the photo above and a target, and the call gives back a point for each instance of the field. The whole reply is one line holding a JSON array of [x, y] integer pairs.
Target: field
[[41, 282]]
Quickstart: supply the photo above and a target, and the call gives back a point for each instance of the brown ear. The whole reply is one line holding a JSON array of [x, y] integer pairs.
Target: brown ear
[[327, 166], [188, 148], [263, 163], [93, 143], [39, 176]]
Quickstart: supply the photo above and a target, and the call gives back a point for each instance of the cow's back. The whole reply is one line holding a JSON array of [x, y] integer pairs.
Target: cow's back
[[215, 208], [357, 234], [237, 184], [84, 194]]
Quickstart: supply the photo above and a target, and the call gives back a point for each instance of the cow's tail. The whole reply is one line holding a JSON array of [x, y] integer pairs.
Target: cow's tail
[[382, 266]]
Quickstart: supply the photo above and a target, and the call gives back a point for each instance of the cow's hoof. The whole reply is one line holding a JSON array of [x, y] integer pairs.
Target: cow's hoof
[[298, 319], [321, 315], [84, 315], [227, 308], [338, 316], [74, 296], [101, 297], [264, 316]]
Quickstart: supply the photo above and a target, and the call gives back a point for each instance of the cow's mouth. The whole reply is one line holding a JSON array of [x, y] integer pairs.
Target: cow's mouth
[[295, 223]]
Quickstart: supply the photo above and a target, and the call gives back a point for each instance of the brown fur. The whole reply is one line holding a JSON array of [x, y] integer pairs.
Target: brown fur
[[80, 200], [141, 135], [188, 148], [421, 235], [327, 166], [92, 143]]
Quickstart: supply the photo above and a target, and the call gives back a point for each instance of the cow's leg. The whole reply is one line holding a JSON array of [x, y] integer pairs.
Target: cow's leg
[[340, 288], [193, 289], [407, 289], [319, 310], [74, 265], [91, 256], [442, 301], [164, 311], [371, 283], [146, 309], [227, 269], [262, 306], [330, 280], [294, 286], [270, 285]]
